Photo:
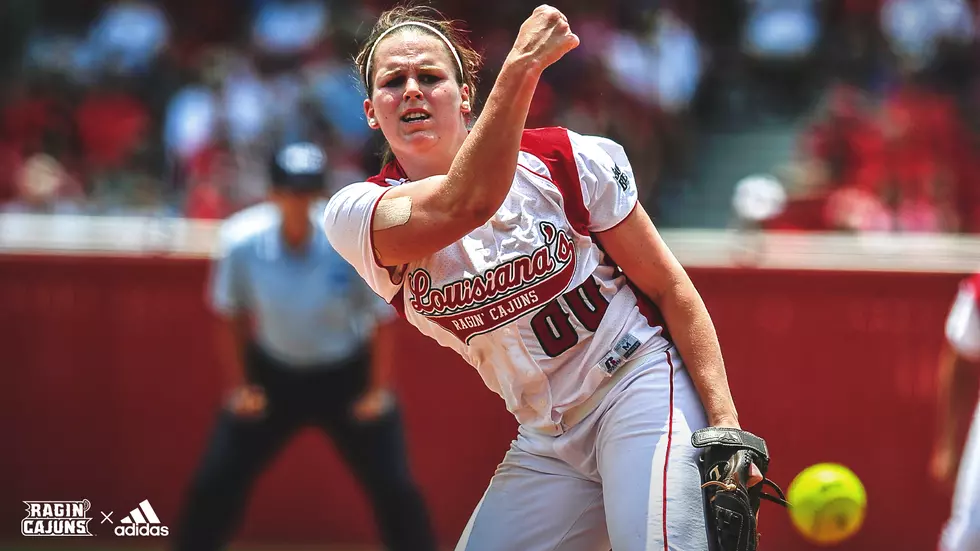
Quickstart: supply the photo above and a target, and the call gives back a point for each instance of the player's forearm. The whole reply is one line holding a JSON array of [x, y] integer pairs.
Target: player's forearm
[[945, 418], [694, 335], [956, 394], [483, 170]]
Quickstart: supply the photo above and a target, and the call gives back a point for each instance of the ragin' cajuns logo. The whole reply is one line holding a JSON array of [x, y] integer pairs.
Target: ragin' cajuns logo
[[476, 305]]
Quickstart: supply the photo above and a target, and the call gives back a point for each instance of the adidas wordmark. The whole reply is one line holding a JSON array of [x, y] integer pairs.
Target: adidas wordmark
[[142, 521]]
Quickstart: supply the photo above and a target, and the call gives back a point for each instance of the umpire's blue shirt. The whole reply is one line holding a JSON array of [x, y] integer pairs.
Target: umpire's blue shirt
[[310, 306]]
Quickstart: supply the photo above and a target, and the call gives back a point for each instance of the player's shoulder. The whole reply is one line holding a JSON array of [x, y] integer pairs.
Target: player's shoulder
[[354, 198], [390, 175], [546, 137], [355, 190], [559, 143], [969, 291], [245, 226], [551, 142]]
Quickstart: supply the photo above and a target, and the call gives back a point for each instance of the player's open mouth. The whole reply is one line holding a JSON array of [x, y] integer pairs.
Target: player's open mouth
[[416, 116]]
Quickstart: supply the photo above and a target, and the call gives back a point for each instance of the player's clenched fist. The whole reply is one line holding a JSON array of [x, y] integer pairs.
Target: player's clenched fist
[[544, 37]]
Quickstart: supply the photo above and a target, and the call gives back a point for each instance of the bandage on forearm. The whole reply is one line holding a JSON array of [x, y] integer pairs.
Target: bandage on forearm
[[392, 212]]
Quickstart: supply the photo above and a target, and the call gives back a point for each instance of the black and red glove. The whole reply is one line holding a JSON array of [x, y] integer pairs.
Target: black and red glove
[[731, 505]]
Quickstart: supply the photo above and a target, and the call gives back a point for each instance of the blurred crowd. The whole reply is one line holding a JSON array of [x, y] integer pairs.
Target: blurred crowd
[[891, 146], [170, 107]]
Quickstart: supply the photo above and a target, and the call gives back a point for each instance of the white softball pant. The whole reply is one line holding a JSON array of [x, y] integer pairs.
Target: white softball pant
[[625, 477]]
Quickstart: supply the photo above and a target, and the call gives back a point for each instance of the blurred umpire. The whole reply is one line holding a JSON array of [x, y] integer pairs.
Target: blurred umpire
[[296, 340]]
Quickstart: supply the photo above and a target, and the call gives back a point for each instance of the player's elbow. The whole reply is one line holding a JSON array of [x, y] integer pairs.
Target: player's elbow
[[476, 205], [473, 212], [479, 213], [673, 288]]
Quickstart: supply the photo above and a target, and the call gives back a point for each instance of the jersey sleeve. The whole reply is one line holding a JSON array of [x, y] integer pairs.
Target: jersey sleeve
[[608, 184], [347, 222], [963, 324], [375, 309]]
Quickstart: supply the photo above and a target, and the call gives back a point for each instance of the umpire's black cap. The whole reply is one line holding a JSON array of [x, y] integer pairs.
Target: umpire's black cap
[[298, 166]]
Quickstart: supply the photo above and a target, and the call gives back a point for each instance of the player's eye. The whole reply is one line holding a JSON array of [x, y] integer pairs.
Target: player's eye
[[395, 82], [429, 79]]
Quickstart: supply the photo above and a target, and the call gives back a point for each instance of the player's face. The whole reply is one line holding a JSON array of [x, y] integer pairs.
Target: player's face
[[416, 101]]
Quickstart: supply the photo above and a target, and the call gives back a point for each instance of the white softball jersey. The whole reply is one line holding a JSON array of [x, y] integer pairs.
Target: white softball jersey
[[529, 298]]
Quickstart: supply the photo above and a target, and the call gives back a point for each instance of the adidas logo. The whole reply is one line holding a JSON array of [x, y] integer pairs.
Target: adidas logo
[[142, 521]]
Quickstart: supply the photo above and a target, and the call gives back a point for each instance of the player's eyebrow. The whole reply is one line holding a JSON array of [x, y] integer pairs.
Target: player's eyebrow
[[428, 66]]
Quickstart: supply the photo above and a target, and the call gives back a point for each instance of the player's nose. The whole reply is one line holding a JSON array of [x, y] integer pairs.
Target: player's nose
[[412, 89], [755, 476]]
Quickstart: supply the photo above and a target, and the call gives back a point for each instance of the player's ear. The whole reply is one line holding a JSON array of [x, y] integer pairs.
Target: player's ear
[[465, 105], [369, 114]]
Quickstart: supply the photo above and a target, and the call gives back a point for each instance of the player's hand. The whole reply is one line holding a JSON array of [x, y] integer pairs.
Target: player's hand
[[755, 475], [544, 37], [247, 401], [373, 404]]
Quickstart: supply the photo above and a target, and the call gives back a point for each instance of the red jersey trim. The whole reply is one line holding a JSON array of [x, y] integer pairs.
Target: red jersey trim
[[391, 171], [374, 210], [398, 302], [553, 147], [973, 282], [670, 438]]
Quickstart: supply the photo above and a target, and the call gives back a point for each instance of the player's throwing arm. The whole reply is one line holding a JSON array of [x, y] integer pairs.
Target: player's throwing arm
[[432, 211]]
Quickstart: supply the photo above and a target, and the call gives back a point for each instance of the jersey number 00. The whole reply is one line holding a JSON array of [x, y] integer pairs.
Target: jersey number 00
[[552, 327]]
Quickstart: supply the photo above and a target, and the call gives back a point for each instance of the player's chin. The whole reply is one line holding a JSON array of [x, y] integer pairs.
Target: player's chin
[[418, 140]]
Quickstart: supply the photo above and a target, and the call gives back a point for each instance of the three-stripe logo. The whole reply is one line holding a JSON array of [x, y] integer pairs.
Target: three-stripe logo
[[142, 521]]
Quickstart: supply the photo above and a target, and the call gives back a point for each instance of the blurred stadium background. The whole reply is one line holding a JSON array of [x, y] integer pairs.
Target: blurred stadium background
[[812, 162]]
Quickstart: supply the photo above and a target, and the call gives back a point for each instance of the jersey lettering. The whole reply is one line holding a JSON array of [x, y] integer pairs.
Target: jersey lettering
[[480, 304], [552, 327], [554, 332], [588, 304]]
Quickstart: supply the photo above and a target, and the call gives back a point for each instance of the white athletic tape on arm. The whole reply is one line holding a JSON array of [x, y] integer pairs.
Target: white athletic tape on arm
[[392, 212]]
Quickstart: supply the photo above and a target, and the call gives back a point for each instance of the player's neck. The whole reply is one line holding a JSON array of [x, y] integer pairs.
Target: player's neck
[[435, 162]]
